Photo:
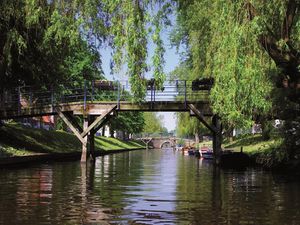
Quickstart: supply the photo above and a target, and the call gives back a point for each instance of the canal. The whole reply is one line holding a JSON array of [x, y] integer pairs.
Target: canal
[[146, 187]]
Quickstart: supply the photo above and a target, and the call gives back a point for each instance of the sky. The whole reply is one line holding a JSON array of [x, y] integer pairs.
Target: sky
[[171, 59]]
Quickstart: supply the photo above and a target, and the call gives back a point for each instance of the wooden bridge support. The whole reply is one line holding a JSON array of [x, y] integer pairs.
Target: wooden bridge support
[[217, 139], [86, 134], [215, 127], [85, 141], [91, 141], [146, 142]]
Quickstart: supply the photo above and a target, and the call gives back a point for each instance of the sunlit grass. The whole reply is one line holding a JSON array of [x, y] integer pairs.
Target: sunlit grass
[[103, 143], [17, 140], [253, 144], [205, 143]]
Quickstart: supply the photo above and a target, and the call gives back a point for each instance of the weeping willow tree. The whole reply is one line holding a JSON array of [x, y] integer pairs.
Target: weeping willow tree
[[127, 26], [61, 26], [250, 48], [132, 23], [41, 45]]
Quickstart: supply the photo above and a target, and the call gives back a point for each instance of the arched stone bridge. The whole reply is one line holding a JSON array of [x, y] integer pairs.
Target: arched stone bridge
[[165, 142]]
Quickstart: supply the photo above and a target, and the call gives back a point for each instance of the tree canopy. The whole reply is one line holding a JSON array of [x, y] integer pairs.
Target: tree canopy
[[40, 45], [153, 123], [249, 47], [130, 122]]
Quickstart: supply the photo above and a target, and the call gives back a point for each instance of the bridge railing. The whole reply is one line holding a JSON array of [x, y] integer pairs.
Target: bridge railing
[[32, 97]]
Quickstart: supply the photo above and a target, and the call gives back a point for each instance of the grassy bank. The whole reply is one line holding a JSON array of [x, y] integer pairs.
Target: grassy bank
[[265, 152], [18, 140], [253, 144]]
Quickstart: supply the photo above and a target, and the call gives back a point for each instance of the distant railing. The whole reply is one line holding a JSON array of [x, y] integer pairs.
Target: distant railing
[[99, 90], [153, 135]]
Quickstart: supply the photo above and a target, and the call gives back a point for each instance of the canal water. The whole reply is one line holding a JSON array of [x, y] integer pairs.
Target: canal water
[[146, 187]]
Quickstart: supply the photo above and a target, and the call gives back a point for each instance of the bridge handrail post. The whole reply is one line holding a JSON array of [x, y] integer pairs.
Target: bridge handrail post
[[92, 94], [151, 93], [151, 96], [84, 96], [185, 103], [154, 91]]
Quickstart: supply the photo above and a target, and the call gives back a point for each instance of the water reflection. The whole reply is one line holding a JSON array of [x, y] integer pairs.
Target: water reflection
[[146, 187]]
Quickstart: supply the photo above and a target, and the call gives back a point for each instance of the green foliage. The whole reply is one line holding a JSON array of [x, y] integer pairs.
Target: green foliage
[[69, 34], [158, 21], [222, 43], [247, 47], [129, 28], [267, 129], [272, 158], [181, 142], [189, 126], [35, 33], [291, 134], [153, 123], [130, 122], [288, 111]]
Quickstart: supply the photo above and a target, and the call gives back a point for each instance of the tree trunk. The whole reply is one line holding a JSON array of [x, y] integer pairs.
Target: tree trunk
[[286, 59]]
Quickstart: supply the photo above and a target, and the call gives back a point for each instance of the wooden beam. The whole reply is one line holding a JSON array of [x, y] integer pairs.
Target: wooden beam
[[97, 120], [73, 121], [70, 125], [103, 122], [91, 141], [192, 113], [85, 142], [202, 119]]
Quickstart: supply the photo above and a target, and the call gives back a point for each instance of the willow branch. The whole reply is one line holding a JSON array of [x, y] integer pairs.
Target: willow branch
[[283, 58]]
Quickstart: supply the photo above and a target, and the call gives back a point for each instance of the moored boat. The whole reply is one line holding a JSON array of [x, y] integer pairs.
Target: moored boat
[[197, 153], [206, 152], [191, 152]]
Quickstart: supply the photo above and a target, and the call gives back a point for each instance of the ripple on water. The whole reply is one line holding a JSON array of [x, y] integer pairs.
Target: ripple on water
[[146, 187]]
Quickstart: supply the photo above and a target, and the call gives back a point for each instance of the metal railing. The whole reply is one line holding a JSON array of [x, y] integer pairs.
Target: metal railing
[[95, 91]]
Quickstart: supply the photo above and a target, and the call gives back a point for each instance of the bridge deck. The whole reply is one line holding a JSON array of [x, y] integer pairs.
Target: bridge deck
[[98, 107], [92, 98]]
